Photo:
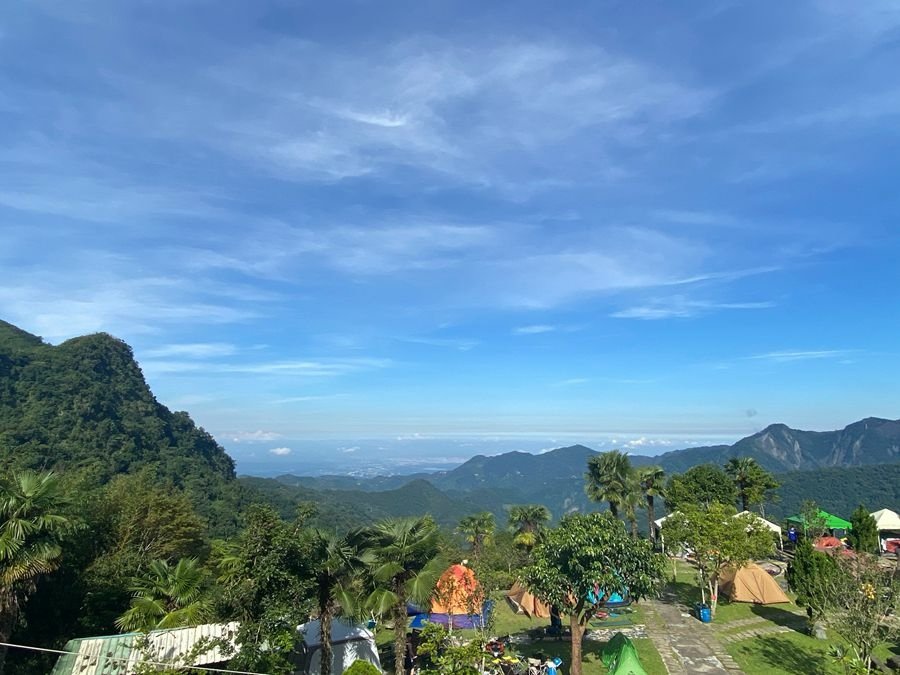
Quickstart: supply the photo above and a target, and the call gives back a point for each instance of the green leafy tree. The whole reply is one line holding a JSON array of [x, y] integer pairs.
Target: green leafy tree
[[810, 575], [439, 654], [814, 523], [863, 535], [700, 485], [863, 599], [754, 485], [267, 583], [402, 565], [588, 551], [608, 479], [168, 596], [651, 481], [478, 530], [718, 539], [31, 529], [527, 521], [337, 565]]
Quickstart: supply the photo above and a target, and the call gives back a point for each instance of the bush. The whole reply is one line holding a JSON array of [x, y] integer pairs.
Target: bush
[[362, 668]]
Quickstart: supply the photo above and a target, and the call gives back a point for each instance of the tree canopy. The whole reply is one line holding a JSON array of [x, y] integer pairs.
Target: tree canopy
[[700, 486], [590, 552]]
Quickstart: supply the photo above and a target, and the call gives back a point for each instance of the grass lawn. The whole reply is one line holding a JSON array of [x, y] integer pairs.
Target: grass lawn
[[788, 653], [508, 623]]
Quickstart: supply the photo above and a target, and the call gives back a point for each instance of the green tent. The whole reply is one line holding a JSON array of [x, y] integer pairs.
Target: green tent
[[620, 657], [831, 522]]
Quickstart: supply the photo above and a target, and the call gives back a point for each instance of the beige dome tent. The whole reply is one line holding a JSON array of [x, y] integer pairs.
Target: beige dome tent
[[751, 584], [524, 602]]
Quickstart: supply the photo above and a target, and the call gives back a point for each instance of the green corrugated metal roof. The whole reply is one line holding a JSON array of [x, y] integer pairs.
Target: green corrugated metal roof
[[119, 654]]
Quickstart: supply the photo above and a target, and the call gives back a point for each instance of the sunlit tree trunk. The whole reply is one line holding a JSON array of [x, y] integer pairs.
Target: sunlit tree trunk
[[577, 636]]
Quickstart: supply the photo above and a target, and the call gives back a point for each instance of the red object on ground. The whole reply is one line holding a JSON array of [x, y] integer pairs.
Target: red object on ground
[[824, 543]]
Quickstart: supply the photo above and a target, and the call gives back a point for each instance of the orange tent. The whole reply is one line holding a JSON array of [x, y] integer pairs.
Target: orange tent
[[457, 592], [825, 543], [525, 603]]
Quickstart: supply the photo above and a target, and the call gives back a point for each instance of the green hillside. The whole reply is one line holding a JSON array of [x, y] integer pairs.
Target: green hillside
[[84, 409]]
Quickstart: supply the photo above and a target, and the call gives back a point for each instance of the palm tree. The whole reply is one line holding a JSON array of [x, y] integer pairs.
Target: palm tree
[[402, 564], [478, 530], [31, 529], [527, 521], [631, 501], [651, 480], [338, 563], [607, 479], [742, 470], [168, 597]]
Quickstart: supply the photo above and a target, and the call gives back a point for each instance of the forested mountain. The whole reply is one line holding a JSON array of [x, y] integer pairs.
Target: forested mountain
[[83, 408], [780, 448]]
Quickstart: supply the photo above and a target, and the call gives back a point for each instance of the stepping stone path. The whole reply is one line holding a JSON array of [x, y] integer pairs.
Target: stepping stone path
[[685, 644], [605, 634]]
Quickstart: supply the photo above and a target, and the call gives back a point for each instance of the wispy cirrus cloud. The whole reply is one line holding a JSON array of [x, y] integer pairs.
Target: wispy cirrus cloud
[[682, 307], [312, 368], [788, 356], [194, 350]]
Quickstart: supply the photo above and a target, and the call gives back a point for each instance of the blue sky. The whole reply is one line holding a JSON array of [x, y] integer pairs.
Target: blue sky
[[602, 220]]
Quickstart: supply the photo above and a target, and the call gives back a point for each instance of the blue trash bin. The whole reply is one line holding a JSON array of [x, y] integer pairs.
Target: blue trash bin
[[703, 612]]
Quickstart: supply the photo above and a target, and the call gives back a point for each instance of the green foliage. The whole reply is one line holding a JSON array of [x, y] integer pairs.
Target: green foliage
[[402, 567], [267, 585], [439, 654], [32, 526], [810, 575], [362, 668], [700, 486], [527, 521], [478, 530], [168, 596], [650, 480], [499, 563], [718, 538], [609, 479], [814, 523], [84, 408], [755, 486], [585, 551], [864, 534], [862, 602]]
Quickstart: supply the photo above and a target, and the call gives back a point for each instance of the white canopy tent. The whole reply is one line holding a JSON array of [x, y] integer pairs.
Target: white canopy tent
[[659, 522], [349, 643], [888, 524], [765, 523]]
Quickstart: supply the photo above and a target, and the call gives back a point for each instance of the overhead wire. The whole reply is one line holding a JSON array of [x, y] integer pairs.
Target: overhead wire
[[129, 659]]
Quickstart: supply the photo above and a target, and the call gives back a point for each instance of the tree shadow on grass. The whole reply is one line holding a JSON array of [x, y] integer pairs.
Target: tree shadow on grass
[[785, 656], [781, 617], [681, 592]]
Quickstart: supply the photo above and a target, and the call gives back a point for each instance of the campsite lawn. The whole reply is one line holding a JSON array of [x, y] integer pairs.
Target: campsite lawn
[[786, 653], [506, 622]]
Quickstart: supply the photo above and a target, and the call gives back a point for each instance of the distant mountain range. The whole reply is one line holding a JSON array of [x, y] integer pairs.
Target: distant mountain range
[[83, 408]]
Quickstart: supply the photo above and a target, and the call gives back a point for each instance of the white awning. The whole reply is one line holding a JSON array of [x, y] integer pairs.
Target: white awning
[[885, 519]]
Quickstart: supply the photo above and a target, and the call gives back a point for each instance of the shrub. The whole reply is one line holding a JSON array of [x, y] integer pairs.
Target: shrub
[[362, 668]]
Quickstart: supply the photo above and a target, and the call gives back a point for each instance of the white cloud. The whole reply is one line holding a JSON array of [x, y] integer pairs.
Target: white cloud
[[252, 436], [195, 350], [280, 452], [534, 329], [789, 356], [682, 307]]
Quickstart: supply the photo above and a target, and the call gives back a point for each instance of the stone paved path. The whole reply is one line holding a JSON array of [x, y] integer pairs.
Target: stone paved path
[[685, 644]]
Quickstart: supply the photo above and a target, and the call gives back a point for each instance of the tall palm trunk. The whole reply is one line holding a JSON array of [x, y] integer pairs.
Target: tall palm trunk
[[650, 518], [400, 635], [634, 528], [614, 509], [325, 616], [9, 612]]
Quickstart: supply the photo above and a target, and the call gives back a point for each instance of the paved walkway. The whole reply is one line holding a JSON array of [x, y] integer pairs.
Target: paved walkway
[[685, 644]]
